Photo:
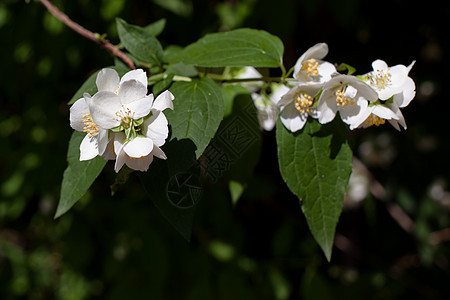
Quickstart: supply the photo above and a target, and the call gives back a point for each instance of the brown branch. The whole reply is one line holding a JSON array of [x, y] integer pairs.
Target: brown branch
[[86, 33], [396, 212]]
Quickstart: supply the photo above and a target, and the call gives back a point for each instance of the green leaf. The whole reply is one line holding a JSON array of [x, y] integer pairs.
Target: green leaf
[[241, 47], [316, 164], [89, 85], [197, 113], [182, 70], [140, 43], [78, 176], [156, 28]]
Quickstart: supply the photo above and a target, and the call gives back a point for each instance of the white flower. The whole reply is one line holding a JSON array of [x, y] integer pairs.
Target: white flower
[[311, 68], [137, 152], [247, 73], [376, 114], [392, 81], [266, 106], [296, 106], [120, 102], [96, 139], [349, 96]]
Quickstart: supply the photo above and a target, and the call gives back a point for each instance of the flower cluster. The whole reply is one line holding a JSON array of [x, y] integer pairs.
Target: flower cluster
[[319, 91], [121, 121]]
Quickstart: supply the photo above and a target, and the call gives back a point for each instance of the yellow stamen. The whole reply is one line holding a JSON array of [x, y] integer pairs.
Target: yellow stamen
[[110, 148], [137, 157], [374, 120], [342, 100], [303, 102], [380, 79], [310, 66], [124, 116], [90, 128]]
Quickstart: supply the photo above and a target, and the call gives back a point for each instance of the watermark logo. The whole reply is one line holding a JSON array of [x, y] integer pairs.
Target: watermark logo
[[184, 190]]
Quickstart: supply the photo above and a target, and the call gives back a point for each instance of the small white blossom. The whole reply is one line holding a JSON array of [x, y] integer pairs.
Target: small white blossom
[[377, 114], [347, 95], [392, 81], [297, 104], [247, 73], [311, 68], [266, 106], [138, 152]]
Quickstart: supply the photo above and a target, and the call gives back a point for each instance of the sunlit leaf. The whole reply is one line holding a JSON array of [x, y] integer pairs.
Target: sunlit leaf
[[78, 176], [316, 164], [197, 113], [241, 47]]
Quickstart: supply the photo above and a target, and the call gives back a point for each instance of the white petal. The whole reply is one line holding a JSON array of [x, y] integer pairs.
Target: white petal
[[325, 70], [88, 148], [158, 153], [326, 106], [138, 147], [77, 111], [109, 153], [351, 114], [365, 90], [409, 92], [163, 101], [359, 119], [156, 128], [102, 140], [379, 65], [121, 156], [139, 164], [138, 75], [120, 159], [411, 65], [384, 112], [267, 117], [132, 90], [318, 51], [288, 97], [277, 93], [107, 80], [103, 107], [291, 118], [141, 107]]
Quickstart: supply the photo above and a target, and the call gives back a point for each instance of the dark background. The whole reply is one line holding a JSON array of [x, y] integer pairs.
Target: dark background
[[392, 245]]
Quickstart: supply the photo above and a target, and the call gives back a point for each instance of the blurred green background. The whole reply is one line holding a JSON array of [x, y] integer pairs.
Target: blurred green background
[[392, 244]]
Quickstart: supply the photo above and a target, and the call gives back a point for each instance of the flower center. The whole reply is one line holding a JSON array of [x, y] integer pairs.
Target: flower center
[[374, 120], [341, 98], [380, 79], [124, 116], [303, 102], [89, 126], [310, 66]]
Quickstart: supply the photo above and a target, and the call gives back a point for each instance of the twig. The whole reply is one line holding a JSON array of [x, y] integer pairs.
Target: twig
[[396, 212], [86, 33], [440, 236]]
